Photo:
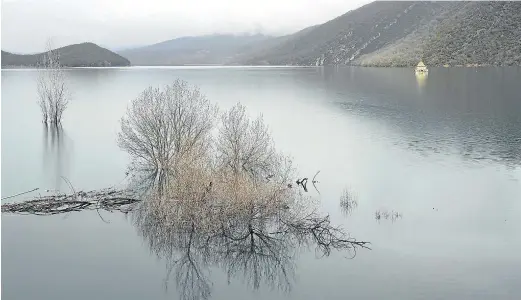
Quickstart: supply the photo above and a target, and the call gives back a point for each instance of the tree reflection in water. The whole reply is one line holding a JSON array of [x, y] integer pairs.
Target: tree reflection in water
[[57, 150], [257, 245]]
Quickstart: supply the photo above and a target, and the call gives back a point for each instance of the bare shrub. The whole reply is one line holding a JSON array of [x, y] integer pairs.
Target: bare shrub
[[164, 127], [348, 202], [52, 88], [387, 215]]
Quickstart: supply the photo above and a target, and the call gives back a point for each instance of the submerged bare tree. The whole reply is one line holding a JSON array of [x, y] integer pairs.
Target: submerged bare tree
[[164, 127], [181, 154], [52, 88]]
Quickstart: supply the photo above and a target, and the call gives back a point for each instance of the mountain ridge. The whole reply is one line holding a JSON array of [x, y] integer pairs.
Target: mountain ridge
[[85, 54], [188, 50], [401, 33], [380, 34]]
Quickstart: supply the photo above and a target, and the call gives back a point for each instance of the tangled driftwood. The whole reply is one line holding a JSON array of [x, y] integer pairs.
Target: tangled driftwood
[[107, 199]]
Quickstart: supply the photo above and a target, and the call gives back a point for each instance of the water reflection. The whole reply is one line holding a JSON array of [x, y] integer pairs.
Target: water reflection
[[256, 244], [471, 137], [421, 80], [468, 112], [57, 152], [488, 91]]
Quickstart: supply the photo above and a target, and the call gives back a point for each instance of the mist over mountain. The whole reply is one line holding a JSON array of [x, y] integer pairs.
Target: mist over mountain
[[216, 49]]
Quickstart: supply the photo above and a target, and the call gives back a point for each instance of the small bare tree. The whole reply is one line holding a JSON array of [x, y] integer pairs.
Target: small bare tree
[[52, 88]]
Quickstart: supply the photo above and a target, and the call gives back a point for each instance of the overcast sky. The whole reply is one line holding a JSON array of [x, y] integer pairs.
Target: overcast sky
[[26, 24]]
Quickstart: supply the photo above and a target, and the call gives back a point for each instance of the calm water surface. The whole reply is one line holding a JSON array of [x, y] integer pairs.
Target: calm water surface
[[443, 151]]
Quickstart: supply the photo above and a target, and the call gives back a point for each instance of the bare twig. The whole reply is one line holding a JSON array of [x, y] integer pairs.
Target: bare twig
[[315, 181], [97, 210], [19, 194], [70, 185], [303, 183]]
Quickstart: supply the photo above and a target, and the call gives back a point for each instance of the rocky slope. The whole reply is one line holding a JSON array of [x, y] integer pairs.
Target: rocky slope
[[479, 33], [400, 33], [470, 33], [78, 55]]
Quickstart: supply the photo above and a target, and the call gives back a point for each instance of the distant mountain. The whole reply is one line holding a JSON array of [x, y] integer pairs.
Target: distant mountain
[[255, 52], [400, 33], [78, 55], [206, 50]]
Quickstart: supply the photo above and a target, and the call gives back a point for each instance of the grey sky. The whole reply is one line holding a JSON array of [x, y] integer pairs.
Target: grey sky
[[26, 24]]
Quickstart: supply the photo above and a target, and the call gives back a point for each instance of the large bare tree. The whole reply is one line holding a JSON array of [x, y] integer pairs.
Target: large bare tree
[[52, 88], [165, 129]]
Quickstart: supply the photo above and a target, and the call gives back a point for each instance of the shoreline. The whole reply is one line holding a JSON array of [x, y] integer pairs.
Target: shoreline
[[204, 66]]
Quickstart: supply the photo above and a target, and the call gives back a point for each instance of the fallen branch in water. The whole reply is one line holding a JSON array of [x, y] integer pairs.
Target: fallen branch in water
[[107, 199]]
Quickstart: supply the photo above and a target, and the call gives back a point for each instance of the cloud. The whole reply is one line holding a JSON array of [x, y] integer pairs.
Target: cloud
[[26, 24]]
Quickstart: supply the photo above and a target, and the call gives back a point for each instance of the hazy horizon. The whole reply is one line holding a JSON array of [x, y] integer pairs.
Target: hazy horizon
[[27, 24]]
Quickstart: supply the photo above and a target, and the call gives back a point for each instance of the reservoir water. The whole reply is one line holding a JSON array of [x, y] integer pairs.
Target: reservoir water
[[434, 163]]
